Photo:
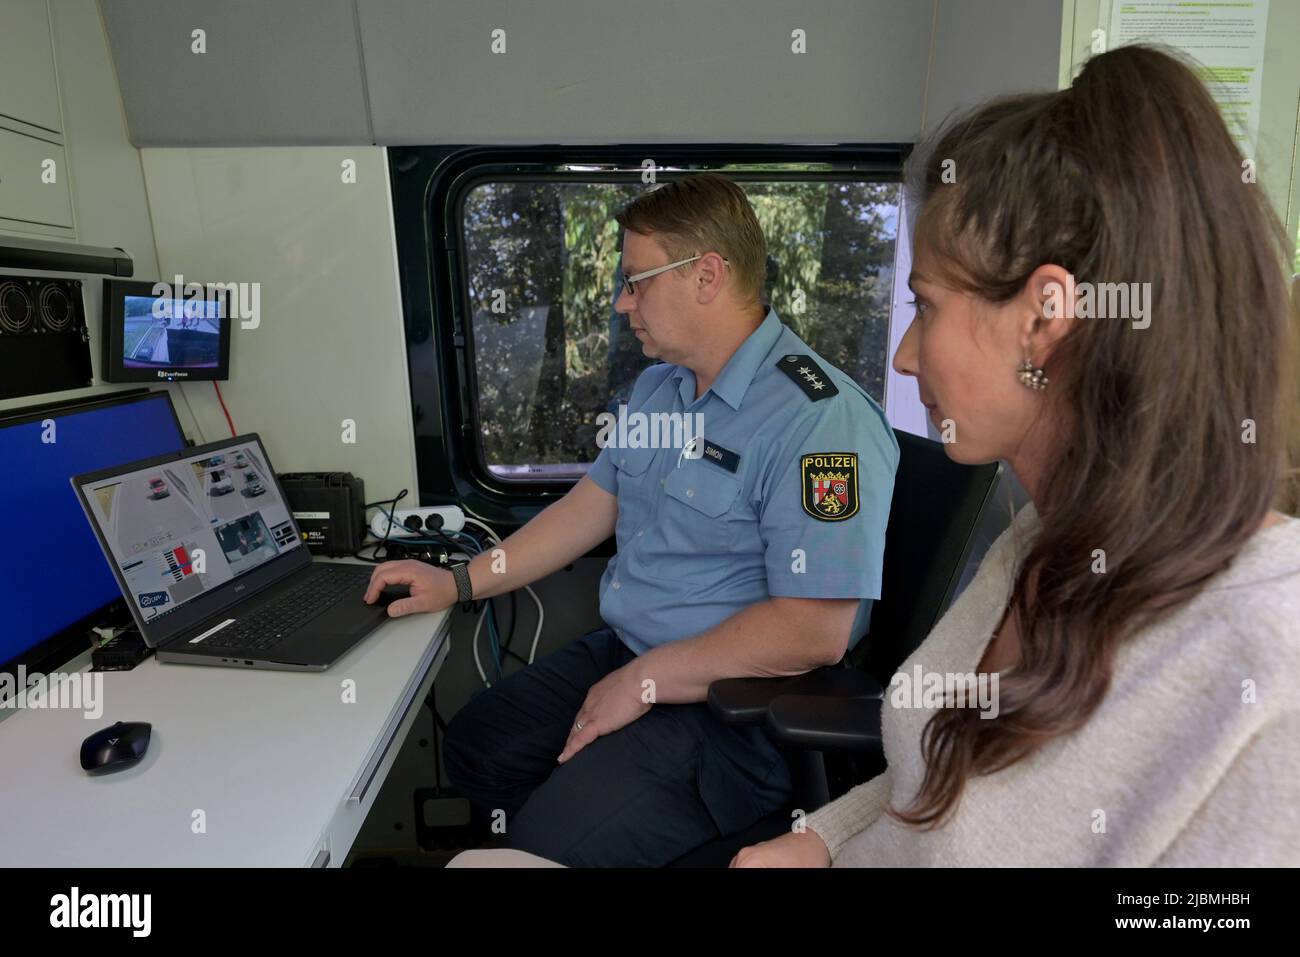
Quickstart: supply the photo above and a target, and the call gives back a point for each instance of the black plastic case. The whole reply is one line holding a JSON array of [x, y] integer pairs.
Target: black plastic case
[[330, 509]]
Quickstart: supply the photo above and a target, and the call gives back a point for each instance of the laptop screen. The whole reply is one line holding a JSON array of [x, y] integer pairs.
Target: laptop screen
[[184, 528]]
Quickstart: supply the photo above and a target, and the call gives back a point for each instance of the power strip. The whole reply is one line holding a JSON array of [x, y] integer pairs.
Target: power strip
[[453, 520]]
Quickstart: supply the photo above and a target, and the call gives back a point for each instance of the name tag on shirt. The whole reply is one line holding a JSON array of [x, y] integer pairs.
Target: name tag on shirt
[[719, 456]]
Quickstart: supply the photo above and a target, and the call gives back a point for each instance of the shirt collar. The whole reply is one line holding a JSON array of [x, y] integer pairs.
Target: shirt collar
[[733, 381]]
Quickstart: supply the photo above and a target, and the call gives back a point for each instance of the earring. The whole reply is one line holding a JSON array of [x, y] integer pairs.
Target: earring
[[1030, 377]]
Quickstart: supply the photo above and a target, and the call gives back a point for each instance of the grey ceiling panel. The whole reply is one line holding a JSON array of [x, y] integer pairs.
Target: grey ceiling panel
[[275, 72], [630, 70], [990, 48]]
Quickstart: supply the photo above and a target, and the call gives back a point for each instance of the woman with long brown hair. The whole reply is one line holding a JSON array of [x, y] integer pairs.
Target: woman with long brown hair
[[1142, 614]]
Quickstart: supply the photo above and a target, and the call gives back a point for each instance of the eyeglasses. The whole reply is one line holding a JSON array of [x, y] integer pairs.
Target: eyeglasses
[[629, 282]]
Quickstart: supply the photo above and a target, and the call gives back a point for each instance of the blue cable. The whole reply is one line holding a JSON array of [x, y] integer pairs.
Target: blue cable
[[473, 547], [494, 636]]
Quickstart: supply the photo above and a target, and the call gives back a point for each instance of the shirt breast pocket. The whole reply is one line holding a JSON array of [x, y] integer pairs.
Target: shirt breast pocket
[[635, 476], [701, 496], [707, 493], [632, 462]]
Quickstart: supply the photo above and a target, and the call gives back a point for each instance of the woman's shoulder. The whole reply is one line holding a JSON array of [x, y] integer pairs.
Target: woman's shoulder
[[1236, 641], [1252, 606], [1270, 557], [1255, 601]]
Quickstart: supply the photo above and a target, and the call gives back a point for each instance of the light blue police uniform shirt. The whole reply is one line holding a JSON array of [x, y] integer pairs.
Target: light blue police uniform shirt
[[769, 511]]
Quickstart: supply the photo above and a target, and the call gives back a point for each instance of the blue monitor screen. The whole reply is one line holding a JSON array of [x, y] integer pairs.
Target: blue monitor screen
[[52, 571]]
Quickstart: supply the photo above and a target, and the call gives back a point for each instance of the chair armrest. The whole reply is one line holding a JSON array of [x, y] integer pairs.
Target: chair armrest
[[746, 700], [819, 723]]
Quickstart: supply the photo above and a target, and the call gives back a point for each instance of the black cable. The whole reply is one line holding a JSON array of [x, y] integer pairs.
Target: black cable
[[444, 540], [388, 501], [392, 513], [514, 615], [484, 544], [388, 529]]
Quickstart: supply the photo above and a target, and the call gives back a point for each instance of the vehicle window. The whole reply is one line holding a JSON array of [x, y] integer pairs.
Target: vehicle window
[[541, 278]]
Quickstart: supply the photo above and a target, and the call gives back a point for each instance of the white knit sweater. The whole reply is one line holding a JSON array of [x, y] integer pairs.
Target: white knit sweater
[[1192, 758]]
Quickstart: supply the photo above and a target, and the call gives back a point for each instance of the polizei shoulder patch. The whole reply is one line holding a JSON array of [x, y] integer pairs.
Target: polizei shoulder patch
[[830, 485], [808, 375]]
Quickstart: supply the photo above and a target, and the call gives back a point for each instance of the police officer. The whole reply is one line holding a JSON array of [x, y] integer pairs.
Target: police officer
[[745, 552]]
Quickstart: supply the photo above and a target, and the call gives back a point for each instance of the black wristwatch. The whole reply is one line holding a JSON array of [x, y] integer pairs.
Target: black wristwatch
[[464, 591]]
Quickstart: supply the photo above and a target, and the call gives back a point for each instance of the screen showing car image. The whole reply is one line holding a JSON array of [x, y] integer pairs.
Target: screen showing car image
[[181, 529], [162, 332]]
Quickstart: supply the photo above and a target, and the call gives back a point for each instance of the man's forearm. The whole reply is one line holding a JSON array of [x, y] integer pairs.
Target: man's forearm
[[562, 533], [775, 638]]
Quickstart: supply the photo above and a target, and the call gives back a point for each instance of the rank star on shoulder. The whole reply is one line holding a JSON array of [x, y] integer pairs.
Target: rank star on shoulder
[[818, 384], [804, 370]]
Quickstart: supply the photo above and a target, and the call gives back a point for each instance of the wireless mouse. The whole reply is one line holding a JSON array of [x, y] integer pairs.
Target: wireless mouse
[[115, 748], [392, 593]]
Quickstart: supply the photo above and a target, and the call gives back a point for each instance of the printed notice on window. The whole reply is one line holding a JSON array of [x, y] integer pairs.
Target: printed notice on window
[[1226, 39]]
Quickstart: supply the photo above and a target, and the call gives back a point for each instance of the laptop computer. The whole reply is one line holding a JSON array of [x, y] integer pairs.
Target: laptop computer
[[214, 567]]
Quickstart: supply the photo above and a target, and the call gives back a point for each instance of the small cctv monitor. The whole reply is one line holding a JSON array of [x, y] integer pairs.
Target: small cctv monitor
[[158, 332]]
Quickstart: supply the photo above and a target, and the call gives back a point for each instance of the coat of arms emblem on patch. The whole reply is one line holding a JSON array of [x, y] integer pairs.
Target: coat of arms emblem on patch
[[830, 485]]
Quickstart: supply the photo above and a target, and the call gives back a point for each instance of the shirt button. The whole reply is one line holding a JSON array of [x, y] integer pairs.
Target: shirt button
[[622, 460], [640, 532], [616, 586], [690, 493], [663, 481]]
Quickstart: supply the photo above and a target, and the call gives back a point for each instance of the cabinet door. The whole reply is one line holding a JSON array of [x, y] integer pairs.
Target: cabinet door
[[25, 195], [28, 88]]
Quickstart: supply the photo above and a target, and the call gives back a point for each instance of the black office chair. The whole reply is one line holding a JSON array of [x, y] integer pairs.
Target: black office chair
[[937, 507]]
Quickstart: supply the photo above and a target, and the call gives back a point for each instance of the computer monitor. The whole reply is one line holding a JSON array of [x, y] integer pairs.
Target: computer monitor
[[156, 332], [54, 582]]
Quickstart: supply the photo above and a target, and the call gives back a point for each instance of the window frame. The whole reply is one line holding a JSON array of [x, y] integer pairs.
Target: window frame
[[429, 189]]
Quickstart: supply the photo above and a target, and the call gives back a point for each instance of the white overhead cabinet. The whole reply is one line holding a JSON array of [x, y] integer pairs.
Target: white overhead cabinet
[[29, 91], [33, 183], [34, 194]]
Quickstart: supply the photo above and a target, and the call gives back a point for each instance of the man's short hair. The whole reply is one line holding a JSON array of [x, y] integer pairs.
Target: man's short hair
[[704, 213]]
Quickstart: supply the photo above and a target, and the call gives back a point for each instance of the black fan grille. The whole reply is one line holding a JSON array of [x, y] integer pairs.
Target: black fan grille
[[57, 312], [15, 308]]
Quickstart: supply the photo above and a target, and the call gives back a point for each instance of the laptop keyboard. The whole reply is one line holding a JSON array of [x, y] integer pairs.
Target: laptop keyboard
[[282, 616]]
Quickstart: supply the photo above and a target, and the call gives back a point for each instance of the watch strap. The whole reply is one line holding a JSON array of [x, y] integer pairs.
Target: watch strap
[[464, 590]]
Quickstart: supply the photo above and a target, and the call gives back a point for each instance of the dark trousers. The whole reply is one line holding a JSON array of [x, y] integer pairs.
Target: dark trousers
[[641, 796]]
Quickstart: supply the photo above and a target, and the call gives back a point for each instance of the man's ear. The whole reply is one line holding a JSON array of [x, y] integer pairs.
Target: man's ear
[[1048, 310], [709, 278]]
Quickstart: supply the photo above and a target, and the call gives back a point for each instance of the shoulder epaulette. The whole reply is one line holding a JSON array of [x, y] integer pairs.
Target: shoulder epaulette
[[808, 375]]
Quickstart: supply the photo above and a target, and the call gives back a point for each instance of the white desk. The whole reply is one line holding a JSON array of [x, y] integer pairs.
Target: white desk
[[283, 769]]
